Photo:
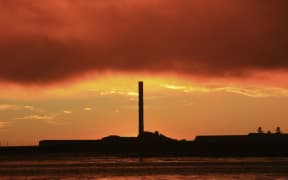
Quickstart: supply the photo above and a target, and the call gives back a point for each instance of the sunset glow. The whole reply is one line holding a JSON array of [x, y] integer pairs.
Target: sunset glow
[[69, 69], [90, 106]]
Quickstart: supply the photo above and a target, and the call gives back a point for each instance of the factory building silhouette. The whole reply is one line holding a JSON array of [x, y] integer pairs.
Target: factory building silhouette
[[143, 136], [148, 143]]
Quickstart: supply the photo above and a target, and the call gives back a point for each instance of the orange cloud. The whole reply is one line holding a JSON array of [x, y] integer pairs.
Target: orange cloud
[[47, 41]]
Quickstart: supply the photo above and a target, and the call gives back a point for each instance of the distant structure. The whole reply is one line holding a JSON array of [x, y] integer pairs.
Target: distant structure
[[278, 130], [255, 144], [141, 108], [259, 130]]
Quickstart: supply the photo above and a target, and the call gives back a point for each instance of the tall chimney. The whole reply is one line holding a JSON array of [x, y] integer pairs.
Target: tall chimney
[[141, 109]]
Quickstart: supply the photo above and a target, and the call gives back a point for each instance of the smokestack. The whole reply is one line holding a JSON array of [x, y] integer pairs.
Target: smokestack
[[141, 109]]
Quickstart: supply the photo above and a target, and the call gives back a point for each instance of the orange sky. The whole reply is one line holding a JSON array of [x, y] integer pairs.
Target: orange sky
[[91, 108], [70, 69]]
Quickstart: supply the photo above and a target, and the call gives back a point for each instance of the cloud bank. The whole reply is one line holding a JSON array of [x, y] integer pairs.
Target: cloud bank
[[48, 41]]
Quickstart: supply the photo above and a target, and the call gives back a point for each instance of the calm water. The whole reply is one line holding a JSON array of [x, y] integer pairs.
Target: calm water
[[85, 167]]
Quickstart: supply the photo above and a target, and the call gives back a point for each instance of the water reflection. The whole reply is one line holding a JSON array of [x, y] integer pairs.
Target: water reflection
[[89, 167]]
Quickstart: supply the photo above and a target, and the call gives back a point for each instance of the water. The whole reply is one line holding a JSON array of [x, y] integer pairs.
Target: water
[[91, 167]]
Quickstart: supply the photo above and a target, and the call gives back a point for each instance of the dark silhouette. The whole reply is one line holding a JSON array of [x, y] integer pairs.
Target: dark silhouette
[[141, 109], [278, 130], [156, 144], [259, 130]]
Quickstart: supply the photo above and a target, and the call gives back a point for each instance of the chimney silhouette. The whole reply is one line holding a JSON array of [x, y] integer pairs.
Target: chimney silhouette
[[141, 108]]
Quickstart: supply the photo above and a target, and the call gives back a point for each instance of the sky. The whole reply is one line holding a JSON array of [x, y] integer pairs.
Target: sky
[[69, 69]]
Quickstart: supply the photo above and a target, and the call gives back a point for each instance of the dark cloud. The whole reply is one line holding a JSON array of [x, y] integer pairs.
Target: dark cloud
[[48, 41]]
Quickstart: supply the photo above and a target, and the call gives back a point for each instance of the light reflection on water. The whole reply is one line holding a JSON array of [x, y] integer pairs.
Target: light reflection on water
[[89, 167], [157, 177]]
